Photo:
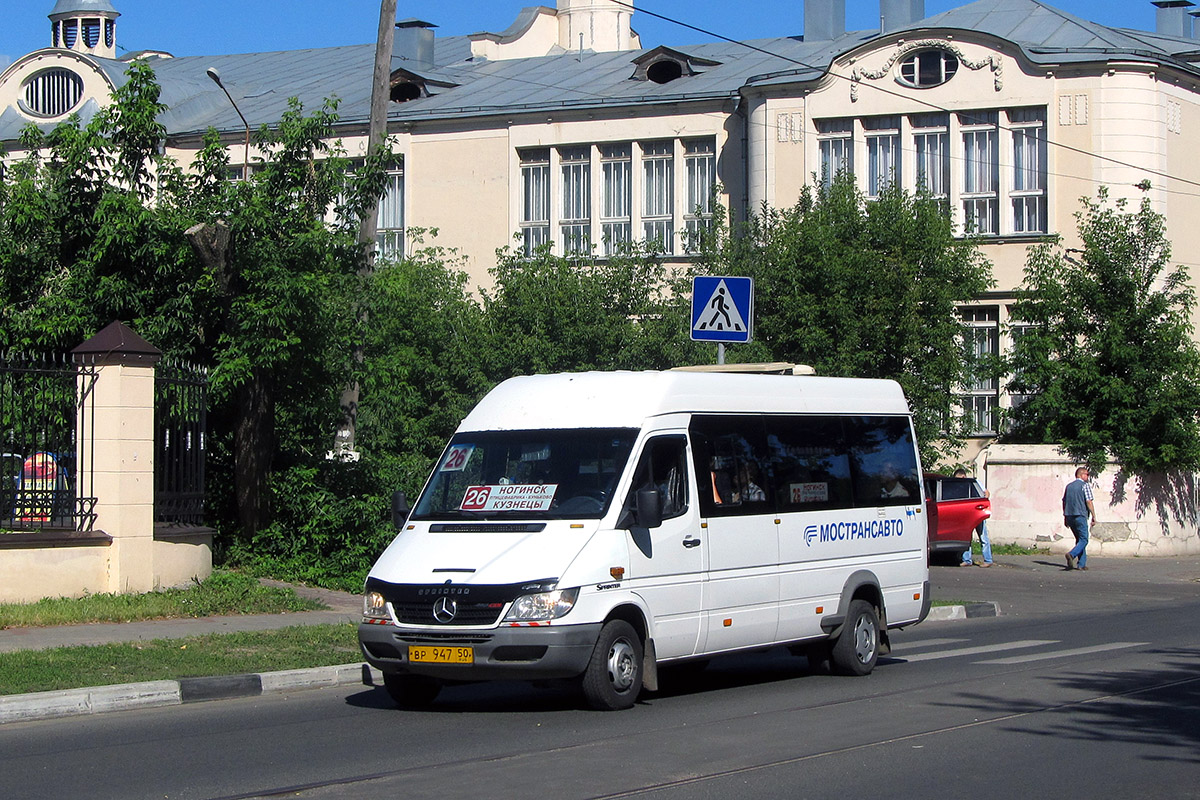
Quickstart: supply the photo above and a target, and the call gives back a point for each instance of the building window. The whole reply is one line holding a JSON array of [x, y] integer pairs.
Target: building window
[[700, 162], [883, 153], [535, 199], [1029, 169], [70, 33], [981, 172], [389, 238], [658, 194], [53, 92], [617, 199], [981, 401], [931, 144], [54, 28], [110, 32], [575, 222], [927, 68], [836, 141]]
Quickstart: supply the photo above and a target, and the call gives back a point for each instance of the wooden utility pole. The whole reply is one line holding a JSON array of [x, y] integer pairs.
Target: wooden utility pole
[[381, 89]]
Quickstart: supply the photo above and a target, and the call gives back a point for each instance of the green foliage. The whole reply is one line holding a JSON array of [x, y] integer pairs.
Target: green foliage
[[866, 290], [548, 313], [1106, 355]]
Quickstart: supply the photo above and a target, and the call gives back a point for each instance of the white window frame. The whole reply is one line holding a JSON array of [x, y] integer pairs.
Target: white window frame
[[700, 167], [389, 235], [1028, 196], [882, 136], [658, 193], [575, 200], [981, 397], [980, 197], [931, 148], [616, 203], [535, 198], [835, 146]]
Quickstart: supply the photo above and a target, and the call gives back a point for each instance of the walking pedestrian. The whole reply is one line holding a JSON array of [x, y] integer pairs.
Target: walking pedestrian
[[984, 540], [1078, 507]]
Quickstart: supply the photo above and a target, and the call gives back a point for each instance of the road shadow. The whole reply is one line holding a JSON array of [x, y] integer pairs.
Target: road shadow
[[504, 697], [1144, 708]]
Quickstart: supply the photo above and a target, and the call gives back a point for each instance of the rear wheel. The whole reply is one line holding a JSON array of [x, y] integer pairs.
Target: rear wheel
[[857, 647], [613, 677], [411, 691]]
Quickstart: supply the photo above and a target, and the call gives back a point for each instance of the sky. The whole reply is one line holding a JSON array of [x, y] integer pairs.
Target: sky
[[215, 27]]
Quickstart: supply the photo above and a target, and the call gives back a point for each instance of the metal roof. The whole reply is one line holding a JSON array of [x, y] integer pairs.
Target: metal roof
[[262, 83], [84, 7]]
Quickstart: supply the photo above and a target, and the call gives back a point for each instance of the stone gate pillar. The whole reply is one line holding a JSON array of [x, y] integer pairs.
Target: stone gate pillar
[[121, 456]]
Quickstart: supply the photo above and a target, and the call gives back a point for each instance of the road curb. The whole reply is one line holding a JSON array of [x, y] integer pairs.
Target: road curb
[[967, 611], [153, 694], [123, 697]]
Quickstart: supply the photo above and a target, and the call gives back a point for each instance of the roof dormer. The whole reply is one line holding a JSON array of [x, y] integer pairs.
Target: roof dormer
[[664, 64]]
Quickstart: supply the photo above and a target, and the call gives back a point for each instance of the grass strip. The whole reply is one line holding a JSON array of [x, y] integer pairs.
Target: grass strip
[[296, 647], [224, 592]]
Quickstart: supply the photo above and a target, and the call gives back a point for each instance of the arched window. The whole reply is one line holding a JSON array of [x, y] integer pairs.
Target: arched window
[[91, 32], [403, 92], [53, 92], [927, 68]]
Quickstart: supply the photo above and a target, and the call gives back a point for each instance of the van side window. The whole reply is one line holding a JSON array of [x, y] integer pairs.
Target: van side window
[[732, 469], [663, 466], [811, 463], [883, 460]]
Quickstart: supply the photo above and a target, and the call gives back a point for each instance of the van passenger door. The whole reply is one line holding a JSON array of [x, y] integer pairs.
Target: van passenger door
[[666, 564], [741, 594]]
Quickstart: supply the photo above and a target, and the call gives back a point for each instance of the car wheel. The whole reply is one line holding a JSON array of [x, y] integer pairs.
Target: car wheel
[[857, 647], [613, 677]]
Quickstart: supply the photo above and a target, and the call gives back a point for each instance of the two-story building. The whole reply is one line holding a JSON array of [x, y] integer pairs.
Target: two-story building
[[566, 128]]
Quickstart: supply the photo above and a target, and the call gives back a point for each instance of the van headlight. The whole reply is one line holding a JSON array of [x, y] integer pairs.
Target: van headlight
[[375, 607], [542, 606]]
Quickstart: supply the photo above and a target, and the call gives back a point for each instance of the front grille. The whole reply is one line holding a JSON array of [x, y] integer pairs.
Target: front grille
[[444, 638], [475, 614]]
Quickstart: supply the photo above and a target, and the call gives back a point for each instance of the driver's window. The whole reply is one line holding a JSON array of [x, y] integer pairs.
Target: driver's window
[[663, 466]]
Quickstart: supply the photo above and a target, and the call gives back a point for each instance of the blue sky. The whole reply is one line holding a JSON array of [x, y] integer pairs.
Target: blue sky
[[212, 27]]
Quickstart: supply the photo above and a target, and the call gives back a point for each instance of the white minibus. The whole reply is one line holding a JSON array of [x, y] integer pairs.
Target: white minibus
[[599, 525]]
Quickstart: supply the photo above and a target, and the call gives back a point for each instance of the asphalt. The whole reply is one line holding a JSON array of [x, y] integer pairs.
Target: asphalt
[[1015, 586]]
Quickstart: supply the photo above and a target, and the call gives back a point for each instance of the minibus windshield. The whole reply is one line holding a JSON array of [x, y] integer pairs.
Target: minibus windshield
[[537, 474]]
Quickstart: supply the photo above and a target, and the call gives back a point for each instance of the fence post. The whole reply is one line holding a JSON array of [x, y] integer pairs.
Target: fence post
[[121, 461]]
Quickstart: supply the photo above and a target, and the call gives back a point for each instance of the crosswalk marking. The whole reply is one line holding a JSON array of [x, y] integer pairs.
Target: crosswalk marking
[[924, 644], [974, 651], [1078, 651]]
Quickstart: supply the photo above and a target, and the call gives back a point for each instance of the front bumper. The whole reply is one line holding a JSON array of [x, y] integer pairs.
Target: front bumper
[[533, 653]]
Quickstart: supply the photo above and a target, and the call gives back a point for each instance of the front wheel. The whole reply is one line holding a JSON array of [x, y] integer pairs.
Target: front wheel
[[613, 677], [857, 647]]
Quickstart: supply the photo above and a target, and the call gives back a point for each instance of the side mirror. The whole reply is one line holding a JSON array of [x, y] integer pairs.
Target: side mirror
[[400, 510], [649, 508]]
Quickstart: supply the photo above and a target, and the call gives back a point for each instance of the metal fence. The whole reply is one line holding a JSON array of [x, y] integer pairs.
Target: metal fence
[[46, 422], [180, 418]]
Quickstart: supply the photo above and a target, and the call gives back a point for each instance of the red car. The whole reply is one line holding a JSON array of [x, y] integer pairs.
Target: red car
[[962, 506]]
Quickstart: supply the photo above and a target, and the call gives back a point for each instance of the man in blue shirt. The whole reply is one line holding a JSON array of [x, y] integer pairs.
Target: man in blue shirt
[[1078, 506]]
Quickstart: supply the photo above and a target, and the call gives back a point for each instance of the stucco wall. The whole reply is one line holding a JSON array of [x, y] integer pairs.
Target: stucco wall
[[1152, 516]]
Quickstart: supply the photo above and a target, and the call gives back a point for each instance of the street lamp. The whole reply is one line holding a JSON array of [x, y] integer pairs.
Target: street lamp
[[216, 78]]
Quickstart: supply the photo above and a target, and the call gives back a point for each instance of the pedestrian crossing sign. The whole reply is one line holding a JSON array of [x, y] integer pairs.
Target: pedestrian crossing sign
[[722, 309]]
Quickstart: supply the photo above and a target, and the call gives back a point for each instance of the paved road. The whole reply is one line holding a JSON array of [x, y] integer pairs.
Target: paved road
[[1097, 699]]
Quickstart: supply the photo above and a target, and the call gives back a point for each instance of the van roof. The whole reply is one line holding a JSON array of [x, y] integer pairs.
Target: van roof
[[627, 399]]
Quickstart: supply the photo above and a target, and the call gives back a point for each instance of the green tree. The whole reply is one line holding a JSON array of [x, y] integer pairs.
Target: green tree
[[548, 313], [1105, 353], [864, 289]]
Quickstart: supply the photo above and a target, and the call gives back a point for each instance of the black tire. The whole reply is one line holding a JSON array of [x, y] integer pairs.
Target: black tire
[[613, 677], [857, 647], [411, 691]]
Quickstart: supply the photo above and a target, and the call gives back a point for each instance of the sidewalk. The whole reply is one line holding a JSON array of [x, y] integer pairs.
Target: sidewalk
[[1015, 586]]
